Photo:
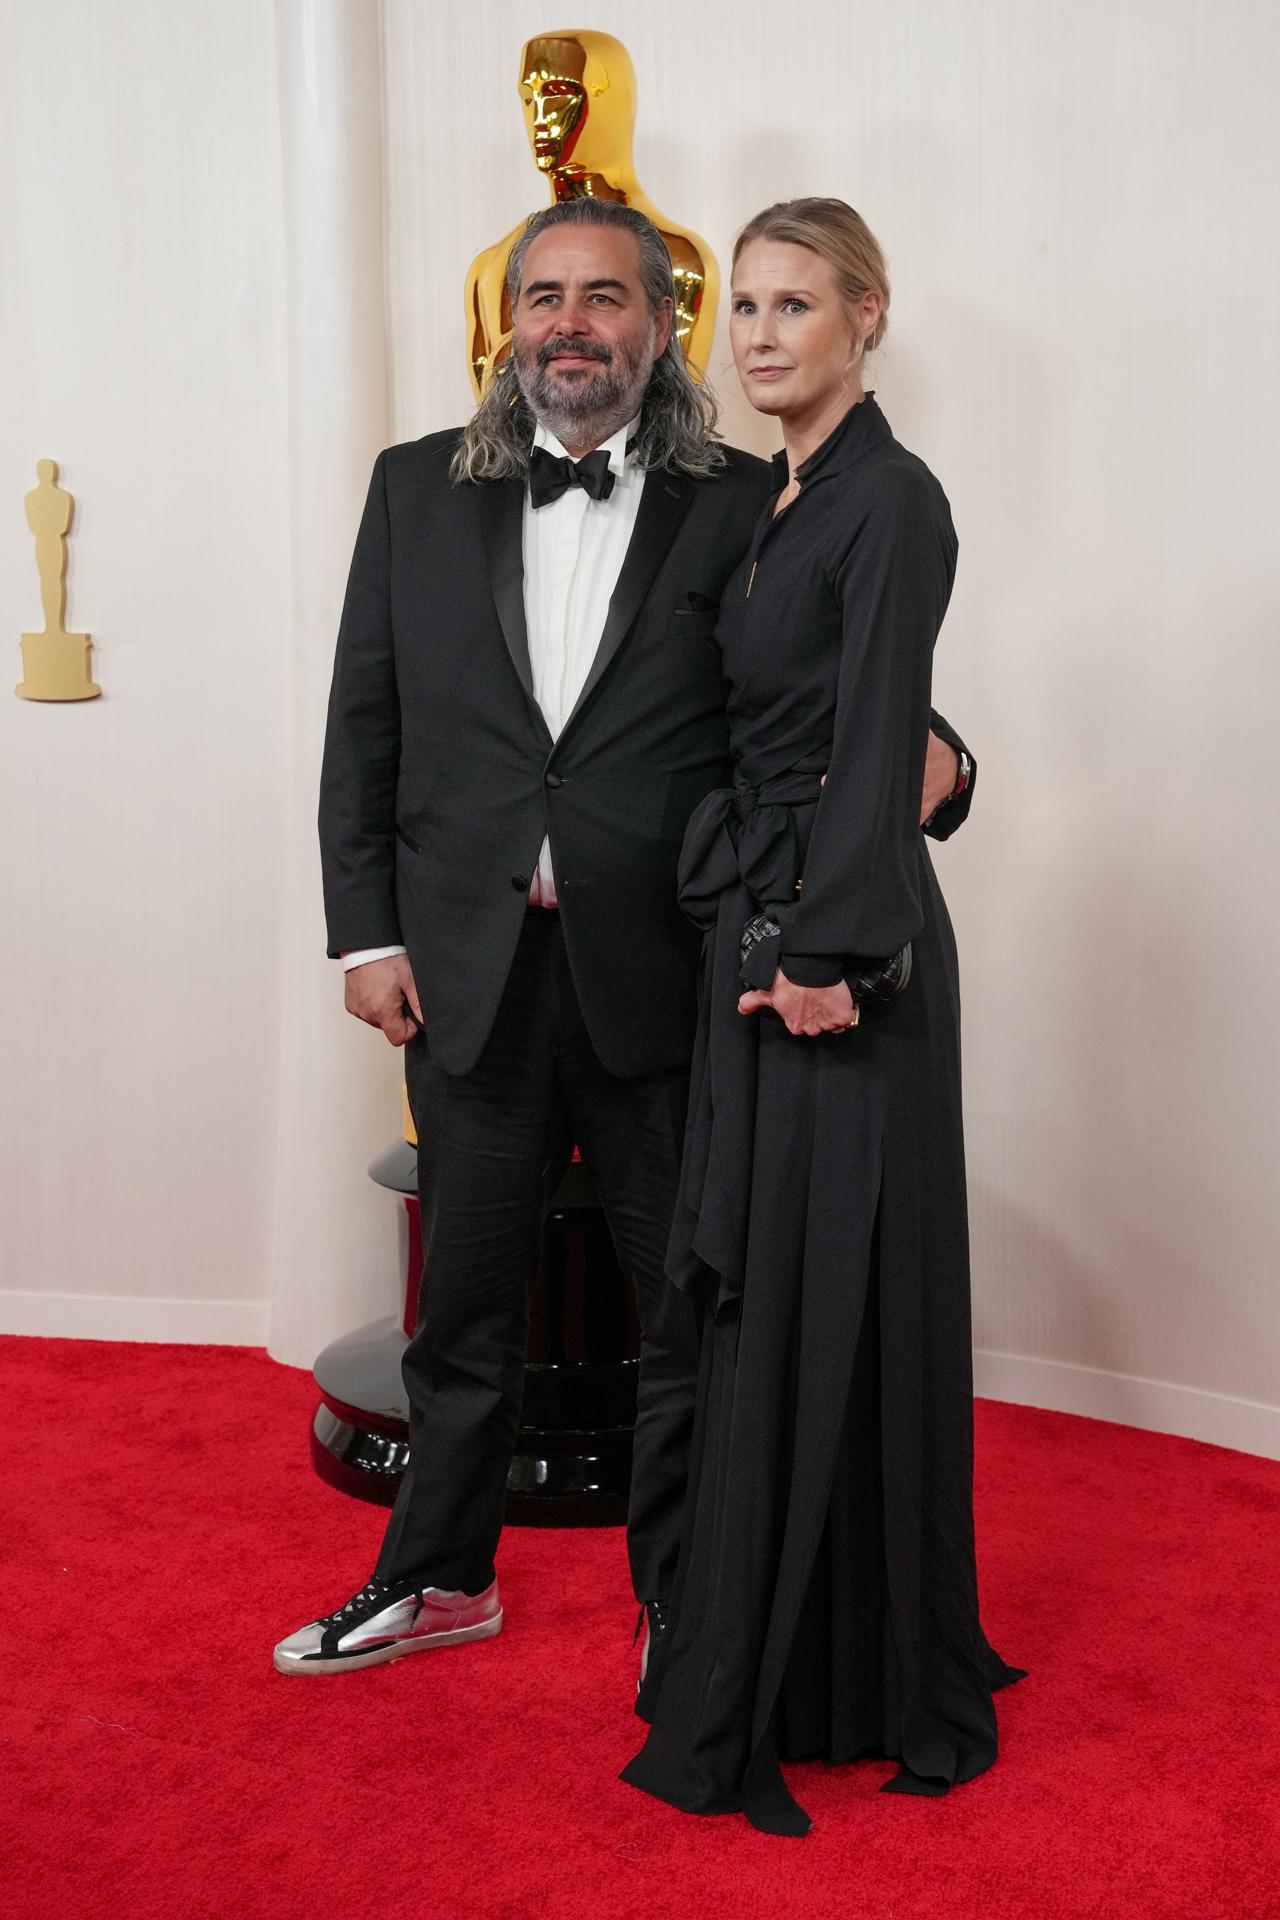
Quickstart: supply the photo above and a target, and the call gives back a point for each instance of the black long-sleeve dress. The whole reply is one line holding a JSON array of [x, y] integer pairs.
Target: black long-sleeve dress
[[826, 1601]]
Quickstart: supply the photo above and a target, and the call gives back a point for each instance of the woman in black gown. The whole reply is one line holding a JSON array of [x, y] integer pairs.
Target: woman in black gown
[[826, 1601]]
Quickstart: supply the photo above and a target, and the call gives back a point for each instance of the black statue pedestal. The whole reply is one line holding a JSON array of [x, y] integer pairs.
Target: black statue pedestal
[[572, 1464]]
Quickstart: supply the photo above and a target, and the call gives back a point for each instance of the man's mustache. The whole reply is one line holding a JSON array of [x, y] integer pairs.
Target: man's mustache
[[580, 349]]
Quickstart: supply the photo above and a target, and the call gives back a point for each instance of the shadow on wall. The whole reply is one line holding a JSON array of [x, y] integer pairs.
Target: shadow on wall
[[1113, 1224], [1075, 1309]]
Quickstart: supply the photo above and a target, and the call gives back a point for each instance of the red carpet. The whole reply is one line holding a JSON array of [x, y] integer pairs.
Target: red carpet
[[162, 1527]]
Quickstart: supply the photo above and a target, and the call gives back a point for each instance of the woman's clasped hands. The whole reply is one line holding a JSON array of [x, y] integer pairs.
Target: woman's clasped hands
[[807, 1010]]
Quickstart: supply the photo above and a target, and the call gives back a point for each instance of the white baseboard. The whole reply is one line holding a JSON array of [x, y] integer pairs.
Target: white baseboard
[[100, 1316], [1248, 1426]]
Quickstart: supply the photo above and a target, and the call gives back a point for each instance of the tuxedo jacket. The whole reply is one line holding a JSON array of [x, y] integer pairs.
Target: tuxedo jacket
[[440, 776]]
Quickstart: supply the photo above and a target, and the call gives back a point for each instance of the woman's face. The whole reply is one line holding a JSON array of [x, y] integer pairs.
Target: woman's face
[[795, 343]]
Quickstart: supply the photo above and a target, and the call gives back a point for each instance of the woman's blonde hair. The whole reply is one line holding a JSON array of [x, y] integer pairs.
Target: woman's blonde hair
[[838, 235]]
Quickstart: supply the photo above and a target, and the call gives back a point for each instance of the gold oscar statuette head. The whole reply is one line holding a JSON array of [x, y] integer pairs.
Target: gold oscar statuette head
[[578, 91]]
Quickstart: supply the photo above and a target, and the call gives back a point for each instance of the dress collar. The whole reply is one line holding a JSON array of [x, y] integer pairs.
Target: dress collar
[[860, 428]]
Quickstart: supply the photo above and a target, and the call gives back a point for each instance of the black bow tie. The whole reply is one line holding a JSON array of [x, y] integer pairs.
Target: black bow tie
[[549, 477]]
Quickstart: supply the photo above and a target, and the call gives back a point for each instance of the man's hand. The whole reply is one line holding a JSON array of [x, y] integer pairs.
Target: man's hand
[[941, 771], [382, 992], [810, 1010]]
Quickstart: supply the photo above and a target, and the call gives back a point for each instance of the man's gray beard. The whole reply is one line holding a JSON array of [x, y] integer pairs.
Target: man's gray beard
[[595, 407]]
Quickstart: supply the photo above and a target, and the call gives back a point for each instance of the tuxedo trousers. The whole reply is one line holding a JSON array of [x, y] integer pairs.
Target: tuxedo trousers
[[493, 1145]]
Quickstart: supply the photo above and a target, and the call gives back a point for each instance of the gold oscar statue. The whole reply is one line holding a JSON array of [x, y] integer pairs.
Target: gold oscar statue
[[578, 90], [55, 663]]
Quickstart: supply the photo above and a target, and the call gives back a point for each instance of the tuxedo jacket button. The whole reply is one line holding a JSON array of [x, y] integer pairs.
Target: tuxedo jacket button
[[555, 780], [521, 886]]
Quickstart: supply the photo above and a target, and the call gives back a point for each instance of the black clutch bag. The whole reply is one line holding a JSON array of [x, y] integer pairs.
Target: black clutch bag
[[881, 980]]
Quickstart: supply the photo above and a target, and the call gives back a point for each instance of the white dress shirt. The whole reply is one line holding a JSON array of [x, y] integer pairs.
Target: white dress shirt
[[574, 548]]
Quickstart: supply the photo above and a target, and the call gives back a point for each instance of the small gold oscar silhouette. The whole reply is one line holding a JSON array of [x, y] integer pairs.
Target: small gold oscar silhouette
[[55, 663]]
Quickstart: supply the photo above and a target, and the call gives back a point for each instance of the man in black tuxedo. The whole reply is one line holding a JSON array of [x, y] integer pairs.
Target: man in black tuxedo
[[527, 705]]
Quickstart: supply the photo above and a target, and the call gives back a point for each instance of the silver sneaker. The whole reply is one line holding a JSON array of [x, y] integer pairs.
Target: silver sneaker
[[384, 1622]]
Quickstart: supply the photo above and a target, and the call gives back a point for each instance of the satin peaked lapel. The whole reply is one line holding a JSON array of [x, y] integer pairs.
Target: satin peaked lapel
[[502, 519], [663, 507]]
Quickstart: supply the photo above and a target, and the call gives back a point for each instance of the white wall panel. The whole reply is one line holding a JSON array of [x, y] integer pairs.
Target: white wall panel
[[142, 839], [334, 1256], [186, 1111]]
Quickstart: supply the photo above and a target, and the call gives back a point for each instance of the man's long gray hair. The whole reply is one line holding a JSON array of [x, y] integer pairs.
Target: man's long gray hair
[[678, 415]]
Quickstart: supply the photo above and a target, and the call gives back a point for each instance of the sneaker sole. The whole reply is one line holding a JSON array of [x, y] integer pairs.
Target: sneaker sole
[[379, 1656]]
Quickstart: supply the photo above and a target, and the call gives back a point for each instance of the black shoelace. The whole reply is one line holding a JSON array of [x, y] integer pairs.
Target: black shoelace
[[375, 1591]]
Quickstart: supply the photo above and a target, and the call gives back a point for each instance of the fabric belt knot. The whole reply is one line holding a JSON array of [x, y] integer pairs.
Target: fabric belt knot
[[755, 836], [550, 476]]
